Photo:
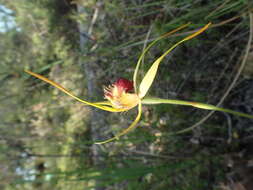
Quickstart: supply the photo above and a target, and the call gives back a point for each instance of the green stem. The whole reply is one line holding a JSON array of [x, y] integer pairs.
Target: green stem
[[194, 104]]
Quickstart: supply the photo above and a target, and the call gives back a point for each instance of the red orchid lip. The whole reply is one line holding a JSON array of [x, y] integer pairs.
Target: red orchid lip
[[122, 85], [119, 94], [126, 84]]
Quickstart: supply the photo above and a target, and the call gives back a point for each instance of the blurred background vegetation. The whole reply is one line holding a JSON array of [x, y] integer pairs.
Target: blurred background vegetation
[[46, 138]]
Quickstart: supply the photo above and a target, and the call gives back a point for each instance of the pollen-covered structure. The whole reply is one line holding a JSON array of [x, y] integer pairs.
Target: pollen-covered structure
[[120, 96]]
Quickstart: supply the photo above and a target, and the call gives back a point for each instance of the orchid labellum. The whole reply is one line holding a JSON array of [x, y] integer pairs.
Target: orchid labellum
[[124, 95]]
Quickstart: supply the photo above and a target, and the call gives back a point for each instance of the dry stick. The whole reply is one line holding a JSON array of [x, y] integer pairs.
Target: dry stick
[[230, 59], [142, 153], [219, 78], [93, 20], [233, 82], [217, 9], [212, 26]]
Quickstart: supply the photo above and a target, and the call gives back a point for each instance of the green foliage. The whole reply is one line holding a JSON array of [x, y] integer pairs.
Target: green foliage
[[45, 135]]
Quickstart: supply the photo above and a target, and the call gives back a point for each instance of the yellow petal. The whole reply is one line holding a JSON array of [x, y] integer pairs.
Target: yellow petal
[[102, 107], [149, 46], [150, 75], [132, 126], [125, 101], [128, 100]]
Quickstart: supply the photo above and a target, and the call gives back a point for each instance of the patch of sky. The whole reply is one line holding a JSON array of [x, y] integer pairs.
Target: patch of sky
[[7, 19]]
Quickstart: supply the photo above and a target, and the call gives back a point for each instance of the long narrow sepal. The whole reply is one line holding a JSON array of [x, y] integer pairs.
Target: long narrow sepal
[[107, 103], [194, 104], [149, 46], [99, 106], [131, 127], [150, 75]]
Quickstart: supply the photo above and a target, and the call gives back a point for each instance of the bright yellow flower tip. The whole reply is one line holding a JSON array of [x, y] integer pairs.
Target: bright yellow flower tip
[[119, 95]]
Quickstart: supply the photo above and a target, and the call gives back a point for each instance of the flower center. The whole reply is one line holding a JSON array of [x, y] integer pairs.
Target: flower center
[[118, 94]]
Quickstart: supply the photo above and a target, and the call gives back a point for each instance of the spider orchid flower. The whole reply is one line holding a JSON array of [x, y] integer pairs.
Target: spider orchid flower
[[118, 94], [124, 94]]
